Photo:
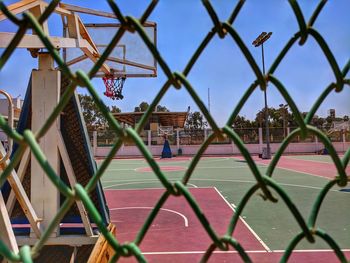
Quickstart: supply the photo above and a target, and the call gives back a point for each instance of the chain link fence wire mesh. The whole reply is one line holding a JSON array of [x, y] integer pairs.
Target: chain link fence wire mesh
[[264, 182]]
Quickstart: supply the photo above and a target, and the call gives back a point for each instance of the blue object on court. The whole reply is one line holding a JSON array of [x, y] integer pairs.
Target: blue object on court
[[166, 153]]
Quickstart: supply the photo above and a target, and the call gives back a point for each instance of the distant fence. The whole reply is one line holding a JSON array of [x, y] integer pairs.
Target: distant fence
[[187, 143]]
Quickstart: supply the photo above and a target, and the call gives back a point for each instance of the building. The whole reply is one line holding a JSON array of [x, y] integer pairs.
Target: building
[[158, 123], [331, 113]]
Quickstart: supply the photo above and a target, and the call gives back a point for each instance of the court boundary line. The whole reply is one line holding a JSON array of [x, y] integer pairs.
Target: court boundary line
[[288, 169], [291, 158], [141, 182], [232, 206], [155, 188], [131, 181], [165, 167], [236, 252], [150, 208], [184, 168]]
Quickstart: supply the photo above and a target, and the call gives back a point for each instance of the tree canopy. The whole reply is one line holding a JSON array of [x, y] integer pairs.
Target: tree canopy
[[93, 117], [195, 122], [144, 106], [278, 118]]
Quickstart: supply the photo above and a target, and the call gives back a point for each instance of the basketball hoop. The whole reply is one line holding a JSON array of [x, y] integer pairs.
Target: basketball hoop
[[165, 131], [114, 86]]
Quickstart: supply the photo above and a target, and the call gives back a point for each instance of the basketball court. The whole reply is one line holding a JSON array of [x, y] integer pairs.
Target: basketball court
[[218, 184]]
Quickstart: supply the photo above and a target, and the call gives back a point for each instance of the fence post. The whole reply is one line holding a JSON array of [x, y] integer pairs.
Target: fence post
[[205, 133], [343, 133], [260, 140], [94, 142], [233, 146], [149, 134], [288, 132], [316, 144], [178, 138]]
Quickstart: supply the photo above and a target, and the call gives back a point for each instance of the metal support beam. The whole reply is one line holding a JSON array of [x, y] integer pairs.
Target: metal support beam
[[72, 181], [21, 196], [6, 232], [46, 87]]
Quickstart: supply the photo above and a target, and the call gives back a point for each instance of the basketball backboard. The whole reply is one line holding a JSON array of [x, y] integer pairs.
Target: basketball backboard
[[129, 58], [83, 42]]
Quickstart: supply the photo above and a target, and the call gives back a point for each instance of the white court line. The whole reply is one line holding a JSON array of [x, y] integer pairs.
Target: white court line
[[222, 180], [197, 167], [120, 169], [246, 181], [222, 167], [299, 172], [299, 159], [126, 180], [151, 208], [141, 182], [181, 169], [215, 180], [312, 250], [155, 188], [199, 252], [233, 207], [292, 170], [236, 252], [208, 159]]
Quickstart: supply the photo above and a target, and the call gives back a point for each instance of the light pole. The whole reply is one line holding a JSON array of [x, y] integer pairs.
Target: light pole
[[259, 41]]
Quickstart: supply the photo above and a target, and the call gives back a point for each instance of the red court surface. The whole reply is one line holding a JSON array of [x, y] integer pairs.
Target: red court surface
[[176, 234], [322, 169], [169, 233]]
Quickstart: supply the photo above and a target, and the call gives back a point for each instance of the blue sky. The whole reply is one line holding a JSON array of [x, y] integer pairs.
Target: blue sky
[[182, 25]]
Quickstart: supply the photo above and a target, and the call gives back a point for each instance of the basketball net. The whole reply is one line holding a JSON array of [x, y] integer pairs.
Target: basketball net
[[114, 86]]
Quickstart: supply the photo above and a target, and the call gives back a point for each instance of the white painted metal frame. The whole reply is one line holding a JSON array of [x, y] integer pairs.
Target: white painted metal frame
[[6, 230], [45, 198], [6, 156], [20, 194]]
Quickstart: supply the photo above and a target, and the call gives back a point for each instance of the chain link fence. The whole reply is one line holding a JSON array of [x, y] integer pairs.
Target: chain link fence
[[247, 135], [264, 182]]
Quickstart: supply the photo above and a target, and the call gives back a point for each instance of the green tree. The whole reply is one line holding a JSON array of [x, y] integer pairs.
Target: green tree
[[242, 123], [142, 107], [194, 126], [260, 117], [115, 109], [93, 117], [317, 121], [195, 122], [161, 108]]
